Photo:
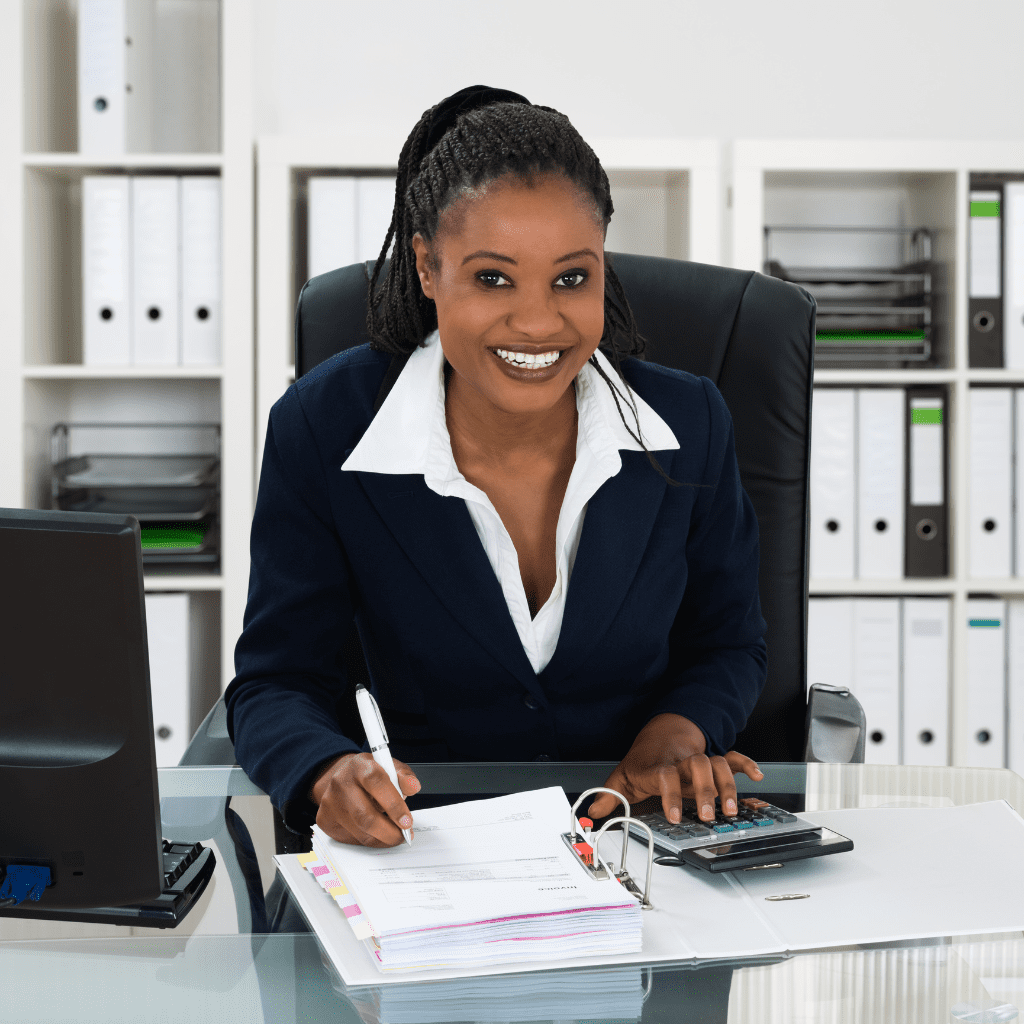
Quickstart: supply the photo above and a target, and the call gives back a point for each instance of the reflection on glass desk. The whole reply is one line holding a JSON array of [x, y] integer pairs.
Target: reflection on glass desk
[[220, 966]]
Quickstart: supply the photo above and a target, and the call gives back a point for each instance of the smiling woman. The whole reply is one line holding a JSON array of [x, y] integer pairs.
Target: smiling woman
[[527, 581]]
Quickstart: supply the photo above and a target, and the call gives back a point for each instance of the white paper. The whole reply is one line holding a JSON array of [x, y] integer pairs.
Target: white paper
[[986, 683], [200, 271], [167, 632], [106, 269], [881, 413], [926, 680], [913, 873], [155, 271], [892, 886], [833, 484], [990, 495]]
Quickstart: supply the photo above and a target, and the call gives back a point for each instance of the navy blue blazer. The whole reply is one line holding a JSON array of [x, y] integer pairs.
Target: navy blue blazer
[[662, 611]]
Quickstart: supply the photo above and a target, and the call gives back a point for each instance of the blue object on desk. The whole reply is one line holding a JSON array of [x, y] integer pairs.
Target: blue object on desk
[[24, 881]]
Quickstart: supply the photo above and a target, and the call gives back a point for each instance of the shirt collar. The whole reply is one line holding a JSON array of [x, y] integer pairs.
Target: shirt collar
[[409, 434]]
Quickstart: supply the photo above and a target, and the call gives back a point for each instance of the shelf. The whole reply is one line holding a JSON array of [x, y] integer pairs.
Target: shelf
[[939, 585], [75, 371], [181, 581], [125, 161], [870, 376], [995, 376]]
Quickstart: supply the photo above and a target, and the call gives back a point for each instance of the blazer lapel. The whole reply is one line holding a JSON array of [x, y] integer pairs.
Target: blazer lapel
[[438, 536], [616, 529]]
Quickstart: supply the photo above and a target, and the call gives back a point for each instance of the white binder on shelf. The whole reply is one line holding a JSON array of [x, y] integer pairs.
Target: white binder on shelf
[[833, 484], [830, 641], [375, 202], [167, 630], [1015, 685], [876, 675], [1013, 274], [106, 271], [881, 429], [990, 496], [201, 271], [986, 683], [155, 271], [331, 224], [115, 82], [926, 680]]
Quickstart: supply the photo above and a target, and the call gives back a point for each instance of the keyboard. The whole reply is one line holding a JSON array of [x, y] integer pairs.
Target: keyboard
[[760, 834], [188, 868]]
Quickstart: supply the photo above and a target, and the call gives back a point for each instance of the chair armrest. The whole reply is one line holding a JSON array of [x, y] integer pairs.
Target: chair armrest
[[835, 726], [211, 743]]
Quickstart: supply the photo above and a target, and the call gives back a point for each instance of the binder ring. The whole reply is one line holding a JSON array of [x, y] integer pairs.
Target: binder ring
[[622, 874], [573, 829]]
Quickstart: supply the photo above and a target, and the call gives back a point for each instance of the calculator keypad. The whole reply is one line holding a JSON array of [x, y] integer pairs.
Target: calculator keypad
[[754, 818]]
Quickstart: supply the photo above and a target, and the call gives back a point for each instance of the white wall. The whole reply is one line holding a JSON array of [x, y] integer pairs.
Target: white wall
[[720, 68]]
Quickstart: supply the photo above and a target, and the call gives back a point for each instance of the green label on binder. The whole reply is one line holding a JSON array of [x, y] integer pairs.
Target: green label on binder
[[926, 416], [187, 535], [985, 209], [868, 336], [984, 623]]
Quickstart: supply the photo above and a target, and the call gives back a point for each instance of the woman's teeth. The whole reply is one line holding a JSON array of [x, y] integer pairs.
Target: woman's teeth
[[528, 360]]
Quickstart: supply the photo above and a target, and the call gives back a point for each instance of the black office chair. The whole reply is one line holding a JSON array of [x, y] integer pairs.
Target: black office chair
[[753, 336]]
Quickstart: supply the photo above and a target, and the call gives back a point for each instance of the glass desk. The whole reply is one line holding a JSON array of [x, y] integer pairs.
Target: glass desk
[[216, 967]]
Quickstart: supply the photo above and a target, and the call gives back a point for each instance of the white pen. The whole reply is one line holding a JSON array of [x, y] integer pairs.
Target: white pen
[[377, 737]]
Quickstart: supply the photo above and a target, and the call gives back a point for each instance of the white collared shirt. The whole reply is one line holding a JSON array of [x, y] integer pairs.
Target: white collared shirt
[[409, 435]]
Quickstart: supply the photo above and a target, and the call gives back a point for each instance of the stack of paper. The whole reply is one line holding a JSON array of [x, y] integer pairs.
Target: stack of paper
[[484, 882]]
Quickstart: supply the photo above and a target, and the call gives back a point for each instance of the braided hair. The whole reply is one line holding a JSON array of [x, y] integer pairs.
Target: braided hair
[[517, 139]]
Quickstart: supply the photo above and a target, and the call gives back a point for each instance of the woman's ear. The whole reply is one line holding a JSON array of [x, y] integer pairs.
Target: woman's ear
[[425, 266]]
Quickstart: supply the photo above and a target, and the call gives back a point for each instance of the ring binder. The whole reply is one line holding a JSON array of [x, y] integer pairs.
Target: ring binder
[[597, 869]]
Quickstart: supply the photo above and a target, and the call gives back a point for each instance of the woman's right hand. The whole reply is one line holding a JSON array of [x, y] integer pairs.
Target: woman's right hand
[[359, 804]]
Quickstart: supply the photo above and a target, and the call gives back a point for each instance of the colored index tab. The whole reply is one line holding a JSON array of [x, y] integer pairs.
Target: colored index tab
[[306, 858], [926, 415], [984, 623]]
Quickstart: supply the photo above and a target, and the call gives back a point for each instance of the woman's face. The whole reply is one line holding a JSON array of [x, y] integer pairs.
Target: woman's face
[[521, 270]]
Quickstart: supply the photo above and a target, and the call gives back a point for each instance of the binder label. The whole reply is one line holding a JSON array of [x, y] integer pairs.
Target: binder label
[[926, 480]]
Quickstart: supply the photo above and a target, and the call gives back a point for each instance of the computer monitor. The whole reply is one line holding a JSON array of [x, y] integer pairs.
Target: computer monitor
[[78, 780]]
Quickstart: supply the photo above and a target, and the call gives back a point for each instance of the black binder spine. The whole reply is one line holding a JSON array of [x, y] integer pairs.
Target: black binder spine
[[985, 262], [927, 531]]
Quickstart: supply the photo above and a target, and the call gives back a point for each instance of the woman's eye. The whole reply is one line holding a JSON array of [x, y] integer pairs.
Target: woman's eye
[[581, 274], [489, 274]]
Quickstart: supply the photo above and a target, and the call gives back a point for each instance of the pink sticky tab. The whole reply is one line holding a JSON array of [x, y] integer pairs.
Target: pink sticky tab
[[321, 869], [352, 910]]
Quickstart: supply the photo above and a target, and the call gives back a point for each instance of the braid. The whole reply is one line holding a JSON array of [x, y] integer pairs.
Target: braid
[[483, 144]]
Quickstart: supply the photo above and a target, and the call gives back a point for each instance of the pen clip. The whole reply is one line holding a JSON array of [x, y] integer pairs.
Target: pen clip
[[380, 720]]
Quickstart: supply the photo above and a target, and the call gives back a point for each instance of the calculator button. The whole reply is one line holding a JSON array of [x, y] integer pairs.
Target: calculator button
[[763, 822], [724, 828], [744, 824]]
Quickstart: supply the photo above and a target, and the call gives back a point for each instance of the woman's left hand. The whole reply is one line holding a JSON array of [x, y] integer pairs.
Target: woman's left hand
[[668, 757]]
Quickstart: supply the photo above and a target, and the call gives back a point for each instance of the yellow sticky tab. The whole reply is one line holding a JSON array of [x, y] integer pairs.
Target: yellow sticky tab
[[338, 890], [307, 858]]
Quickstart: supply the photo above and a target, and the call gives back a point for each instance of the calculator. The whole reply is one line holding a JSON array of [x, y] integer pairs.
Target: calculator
[[759, 835]]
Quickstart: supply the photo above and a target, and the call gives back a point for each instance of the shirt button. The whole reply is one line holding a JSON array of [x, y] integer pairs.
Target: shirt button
[[531, 702], [542, 757]]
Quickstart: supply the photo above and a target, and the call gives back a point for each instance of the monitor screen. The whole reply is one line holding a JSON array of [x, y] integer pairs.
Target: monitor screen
[[78, 782]]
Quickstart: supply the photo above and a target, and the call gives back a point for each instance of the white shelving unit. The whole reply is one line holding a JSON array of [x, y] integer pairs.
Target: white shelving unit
[[667, 194], [889, 183], [42, 379]]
